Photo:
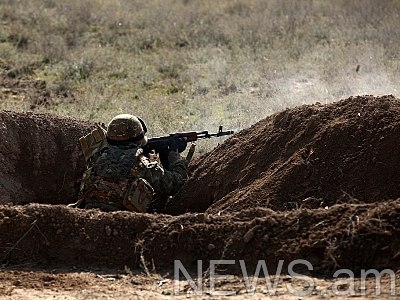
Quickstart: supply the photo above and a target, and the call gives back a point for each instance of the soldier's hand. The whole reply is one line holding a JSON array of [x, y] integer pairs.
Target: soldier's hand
[[178, 145], [173, 156]]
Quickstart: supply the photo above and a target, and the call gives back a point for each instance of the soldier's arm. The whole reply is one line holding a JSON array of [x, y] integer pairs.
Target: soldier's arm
[[167, 182]]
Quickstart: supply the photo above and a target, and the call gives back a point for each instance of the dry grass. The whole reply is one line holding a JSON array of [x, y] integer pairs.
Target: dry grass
[[188, 64]]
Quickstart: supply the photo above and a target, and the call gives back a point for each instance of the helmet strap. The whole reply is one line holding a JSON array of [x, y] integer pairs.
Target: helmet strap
[[143, 125]]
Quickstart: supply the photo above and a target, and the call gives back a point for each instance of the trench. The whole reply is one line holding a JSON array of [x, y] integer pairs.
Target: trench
[[40, 156], [244, 200]]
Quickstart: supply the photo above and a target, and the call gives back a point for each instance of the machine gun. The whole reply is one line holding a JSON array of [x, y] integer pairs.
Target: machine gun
[[177, 142]]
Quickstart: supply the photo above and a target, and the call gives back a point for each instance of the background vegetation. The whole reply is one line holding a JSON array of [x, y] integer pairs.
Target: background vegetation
[[194, 64]]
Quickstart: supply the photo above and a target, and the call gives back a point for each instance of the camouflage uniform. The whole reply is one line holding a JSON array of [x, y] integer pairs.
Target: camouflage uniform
[[122, 178]]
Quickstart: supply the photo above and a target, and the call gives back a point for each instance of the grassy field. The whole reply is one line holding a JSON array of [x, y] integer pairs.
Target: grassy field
[[196, 64]]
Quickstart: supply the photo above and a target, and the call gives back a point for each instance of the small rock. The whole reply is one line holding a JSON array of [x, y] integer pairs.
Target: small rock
[[248, 236], [108, 230]]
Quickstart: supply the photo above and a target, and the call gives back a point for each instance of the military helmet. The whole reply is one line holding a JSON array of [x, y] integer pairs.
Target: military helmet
[[126, 127]]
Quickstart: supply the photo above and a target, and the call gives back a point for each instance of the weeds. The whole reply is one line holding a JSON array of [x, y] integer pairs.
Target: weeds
[[196, 64], [33, 225]]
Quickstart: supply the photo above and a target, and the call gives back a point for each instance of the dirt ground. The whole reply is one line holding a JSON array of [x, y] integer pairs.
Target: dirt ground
[[61, 283], [312, 191]]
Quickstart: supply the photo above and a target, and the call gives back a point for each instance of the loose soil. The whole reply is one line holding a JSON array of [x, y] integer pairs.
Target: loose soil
[[317, 182]]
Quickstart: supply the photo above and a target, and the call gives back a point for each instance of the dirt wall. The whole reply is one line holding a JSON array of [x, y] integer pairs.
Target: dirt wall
[[40, 158], [309, 156]]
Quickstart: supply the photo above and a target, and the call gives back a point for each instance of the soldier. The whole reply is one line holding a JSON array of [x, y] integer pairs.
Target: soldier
[[120, 177]]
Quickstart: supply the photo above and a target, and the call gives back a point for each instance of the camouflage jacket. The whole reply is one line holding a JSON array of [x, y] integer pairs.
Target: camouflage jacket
[[120, 177]]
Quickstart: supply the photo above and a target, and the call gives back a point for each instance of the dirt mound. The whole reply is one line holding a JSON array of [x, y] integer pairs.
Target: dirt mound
[[40, 157], [259, 196], [309, 156], [347, 236]]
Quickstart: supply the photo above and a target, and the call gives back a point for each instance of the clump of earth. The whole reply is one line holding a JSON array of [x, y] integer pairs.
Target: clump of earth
[[316, 182]]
